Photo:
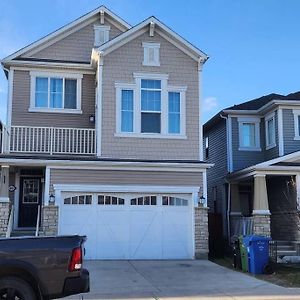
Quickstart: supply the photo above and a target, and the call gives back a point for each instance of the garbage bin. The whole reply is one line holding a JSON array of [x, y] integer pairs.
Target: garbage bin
[[244, 255], [258, 251], [237, 264]]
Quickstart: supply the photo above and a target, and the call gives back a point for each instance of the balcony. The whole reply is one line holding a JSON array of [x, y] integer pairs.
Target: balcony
[[49, 140]]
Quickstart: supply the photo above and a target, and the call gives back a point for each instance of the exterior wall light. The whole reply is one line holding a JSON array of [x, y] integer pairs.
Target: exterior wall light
[[92, 118], [201, 201], [51, 199]]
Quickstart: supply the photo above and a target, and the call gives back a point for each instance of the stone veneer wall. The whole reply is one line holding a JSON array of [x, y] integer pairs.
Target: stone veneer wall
[[50, 220], [201, 232], [261, 225], [285, 225], [4, 217]]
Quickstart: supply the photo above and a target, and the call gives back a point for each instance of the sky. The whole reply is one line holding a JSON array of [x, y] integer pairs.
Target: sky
[[254, 46]]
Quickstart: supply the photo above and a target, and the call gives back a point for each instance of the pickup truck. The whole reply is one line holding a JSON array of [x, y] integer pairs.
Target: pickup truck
[[41, 268]]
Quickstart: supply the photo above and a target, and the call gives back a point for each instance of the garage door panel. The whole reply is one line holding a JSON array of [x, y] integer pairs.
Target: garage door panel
[[132, 226]]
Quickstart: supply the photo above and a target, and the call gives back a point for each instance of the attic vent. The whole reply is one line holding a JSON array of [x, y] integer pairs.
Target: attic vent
[[101, 34], [151, 54]]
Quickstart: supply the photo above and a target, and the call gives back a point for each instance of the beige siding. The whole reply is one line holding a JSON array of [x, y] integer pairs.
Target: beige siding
[[63, 176], [182, 70], [75, 47], [21, 102]]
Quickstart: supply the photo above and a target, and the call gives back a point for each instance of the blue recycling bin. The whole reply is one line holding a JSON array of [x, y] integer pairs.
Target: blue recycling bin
[[258, 252]]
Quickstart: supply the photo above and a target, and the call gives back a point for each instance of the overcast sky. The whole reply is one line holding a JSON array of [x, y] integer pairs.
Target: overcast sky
[[254, 46]]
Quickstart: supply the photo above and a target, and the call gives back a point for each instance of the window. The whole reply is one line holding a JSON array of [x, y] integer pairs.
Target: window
[[127, 110], [249, 134], [270, 131], [296, 113], [206, 147], [55, 92], [174, 201], [31, 191], [101, 34], [150, 108], [147, 200], [78, 200], [110, 200], [174, 112], [151, 54]]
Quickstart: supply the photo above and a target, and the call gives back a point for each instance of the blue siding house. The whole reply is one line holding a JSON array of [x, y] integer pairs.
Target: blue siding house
[[255, 182]]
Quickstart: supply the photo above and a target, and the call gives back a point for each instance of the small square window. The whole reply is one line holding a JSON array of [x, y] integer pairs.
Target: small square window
[[101, 199]]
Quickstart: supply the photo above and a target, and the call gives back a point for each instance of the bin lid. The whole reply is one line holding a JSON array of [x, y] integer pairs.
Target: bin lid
[[255, 238]]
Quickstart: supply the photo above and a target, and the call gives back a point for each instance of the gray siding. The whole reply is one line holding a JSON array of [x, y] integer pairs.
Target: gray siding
[[273, 152], [290, 145], [119, 66], [21, 102], [98, 177], [243, 159], [218, 156], [75, 47]]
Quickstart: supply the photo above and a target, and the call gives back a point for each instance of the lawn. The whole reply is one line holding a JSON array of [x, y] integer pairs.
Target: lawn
[[287, 275]]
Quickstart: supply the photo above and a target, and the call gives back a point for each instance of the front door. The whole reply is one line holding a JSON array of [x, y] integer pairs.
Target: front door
[[30, 199]]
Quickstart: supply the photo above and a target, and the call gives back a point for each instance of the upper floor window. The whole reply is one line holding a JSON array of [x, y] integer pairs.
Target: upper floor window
[[249, 135], [150, 108], [55, 92], [296, 113], [206, 147], [101, 34], [151, 54], [270, 131]]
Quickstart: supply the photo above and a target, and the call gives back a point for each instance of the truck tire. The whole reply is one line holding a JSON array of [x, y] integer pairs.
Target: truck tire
[[12, 288]]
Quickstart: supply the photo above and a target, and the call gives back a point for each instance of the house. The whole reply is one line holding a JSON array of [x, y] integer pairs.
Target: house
[[255, 183], [103, 138]]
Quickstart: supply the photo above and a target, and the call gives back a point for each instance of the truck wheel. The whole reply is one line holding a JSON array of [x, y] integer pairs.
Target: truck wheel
[[13, 288]]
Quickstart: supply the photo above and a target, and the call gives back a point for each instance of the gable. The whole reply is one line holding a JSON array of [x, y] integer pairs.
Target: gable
[[76, 47]]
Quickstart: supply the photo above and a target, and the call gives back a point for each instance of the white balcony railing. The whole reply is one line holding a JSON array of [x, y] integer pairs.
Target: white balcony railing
[[52, 140]]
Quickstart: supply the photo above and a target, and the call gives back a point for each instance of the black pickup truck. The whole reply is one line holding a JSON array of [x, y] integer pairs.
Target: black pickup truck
[[36, 268]]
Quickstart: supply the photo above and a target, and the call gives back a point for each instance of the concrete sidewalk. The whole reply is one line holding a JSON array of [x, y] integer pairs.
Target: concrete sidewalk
[[194, 279]]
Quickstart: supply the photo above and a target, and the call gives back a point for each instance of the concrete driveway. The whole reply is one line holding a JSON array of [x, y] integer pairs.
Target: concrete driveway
[[194, 279]]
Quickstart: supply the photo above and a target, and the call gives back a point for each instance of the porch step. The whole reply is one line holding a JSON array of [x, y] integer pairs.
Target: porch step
[[17, 233], [282, 253]]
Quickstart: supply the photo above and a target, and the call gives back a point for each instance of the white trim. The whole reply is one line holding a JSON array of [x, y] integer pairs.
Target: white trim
[[23, 65], [151, 135], [99, 106], [280, 132], [261, 212], [62, 75], [192, 51], [64, 30], [158, 76], [125, 188], [147, 46], [296, 113], [47, 186], [16, 199], [200, 111], [269, 117], [205, 187], [10, 97], [4, 199], [256, 122]]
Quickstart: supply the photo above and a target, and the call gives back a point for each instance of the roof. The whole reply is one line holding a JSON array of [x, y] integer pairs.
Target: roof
[[172, 36], [63, 30], [254, 105]]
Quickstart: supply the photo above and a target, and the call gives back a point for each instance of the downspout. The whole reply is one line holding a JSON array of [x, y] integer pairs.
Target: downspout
[[229, 185]]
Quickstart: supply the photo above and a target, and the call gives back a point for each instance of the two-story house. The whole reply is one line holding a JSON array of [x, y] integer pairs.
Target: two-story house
[[255, 183], [104, 138]]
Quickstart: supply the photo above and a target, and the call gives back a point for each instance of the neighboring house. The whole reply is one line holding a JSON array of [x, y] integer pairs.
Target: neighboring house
[[104, 137], [255, 183]]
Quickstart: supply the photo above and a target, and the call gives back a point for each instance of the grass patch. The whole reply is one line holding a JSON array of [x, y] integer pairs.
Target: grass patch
[[287, 275]]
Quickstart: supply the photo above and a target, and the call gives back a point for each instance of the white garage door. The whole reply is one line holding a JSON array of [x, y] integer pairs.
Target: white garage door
[[130, 226]]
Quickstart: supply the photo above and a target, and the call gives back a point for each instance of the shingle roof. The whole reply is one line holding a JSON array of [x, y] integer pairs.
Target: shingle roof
[[252, 105]]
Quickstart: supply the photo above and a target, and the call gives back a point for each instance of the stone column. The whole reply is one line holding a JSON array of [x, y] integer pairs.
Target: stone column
[[50, 220], [201, 232], [261, 213], [4, 200]]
